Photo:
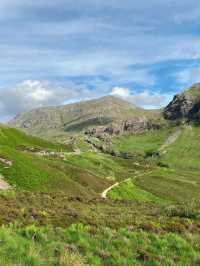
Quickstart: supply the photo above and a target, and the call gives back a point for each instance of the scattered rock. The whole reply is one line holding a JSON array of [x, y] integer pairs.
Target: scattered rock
[[6, 162]]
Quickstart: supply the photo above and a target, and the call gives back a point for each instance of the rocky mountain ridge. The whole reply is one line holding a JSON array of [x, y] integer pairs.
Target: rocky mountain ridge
[[185, 106], [109, 114]]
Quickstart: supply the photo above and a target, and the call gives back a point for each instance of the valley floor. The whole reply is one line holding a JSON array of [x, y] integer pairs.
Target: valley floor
[[94, 208]]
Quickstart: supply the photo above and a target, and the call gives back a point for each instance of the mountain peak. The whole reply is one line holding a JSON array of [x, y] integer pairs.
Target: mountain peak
[[77, 117], [116, 100]]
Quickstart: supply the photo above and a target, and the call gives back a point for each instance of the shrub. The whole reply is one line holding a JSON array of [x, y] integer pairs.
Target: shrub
[[161, 164], [187, 210], [71, 259]]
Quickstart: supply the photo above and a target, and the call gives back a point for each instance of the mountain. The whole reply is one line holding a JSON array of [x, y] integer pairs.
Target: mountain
[[57, 121], [185, 106], [106, 116]]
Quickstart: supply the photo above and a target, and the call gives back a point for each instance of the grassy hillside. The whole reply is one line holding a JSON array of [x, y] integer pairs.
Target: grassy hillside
[[175, 172], [87, 173], [142, 143], [185, 152], [129, 191], [180, 179], [12, 138], [56, 216], [52, 229]]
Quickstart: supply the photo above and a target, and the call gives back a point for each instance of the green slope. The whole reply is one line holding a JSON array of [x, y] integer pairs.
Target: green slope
[[179, 180], [142, 143], [50, 228], [175, 172], [85, 174]]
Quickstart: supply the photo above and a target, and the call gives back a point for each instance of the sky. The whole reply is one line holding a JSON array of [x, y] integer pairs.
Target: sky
[[58, 52]]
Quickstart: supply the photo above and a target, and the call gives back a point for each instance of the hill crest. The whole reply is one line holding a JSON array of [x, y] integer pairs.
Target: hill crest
[[76, 117]]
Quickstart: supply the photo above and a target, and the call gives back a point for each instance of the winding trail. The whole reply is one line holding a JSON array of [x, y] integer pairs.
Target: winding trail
[[105, 192], [170, 140]]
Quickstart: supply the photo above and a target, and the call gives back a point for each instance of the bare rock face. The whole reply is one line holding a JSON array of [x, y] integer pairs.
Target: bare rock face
[[41, 118], [140, 125], [179, 108], [134, 125], [185, 106]]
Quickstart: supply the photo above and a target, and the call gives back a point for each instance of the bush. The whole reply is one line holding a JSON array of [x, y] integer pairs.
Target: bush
[[187, 210], [161, 164], [152, 154]]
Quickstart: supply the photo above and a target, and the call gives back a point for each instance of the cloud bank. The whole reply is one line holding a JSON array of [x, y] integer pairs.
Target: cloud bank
[[144, 99], [89, 47], [32, 94]]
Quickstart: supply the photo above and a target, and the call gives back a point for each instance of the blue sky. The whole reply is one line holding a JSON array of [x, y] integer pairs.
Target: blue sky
[[55, 52]]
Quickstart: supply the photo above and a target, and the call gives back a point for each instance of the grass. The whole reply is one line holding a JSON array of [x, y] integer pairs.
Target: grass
[[174, 184], [185, 152], [88, 173], [179, 181], [34, 246], [55, 216], [143, 143], [79, 245], [101, 164], [129, 191], [126, 247], [12, 137]]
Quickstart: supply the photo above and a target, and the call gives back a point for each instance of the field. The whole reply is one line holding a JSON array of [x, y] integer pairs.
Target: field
[[54, 214]]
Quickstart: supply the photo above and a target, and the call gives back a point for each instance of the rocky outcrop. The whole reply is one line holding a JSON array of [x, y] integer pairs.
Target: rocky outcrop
[[139, 125], [179, 107], [135, 125], [185, 106]]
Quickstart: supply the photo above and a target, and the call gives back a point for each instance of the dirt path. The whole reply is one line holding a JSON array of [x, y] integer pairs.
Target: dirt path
[[105, 192], [3, 184], [170, 140]]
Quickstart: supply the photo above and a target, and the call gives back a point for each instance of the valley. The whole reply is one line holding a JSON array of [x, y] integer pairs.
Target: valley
[[101, 183]]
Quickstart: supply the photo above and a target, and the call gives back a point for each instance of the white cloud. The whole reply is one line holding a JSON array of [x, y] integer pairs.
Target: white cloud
[[144, 99], [121, 92], [37, 91], [32, 94]]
